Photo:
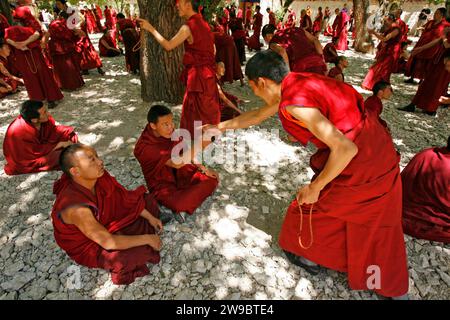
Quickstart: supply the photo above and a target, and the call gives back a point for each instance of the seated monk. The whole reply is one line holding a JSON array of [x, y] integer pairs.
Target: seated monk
[[337, 72], [426, 196], [8, 82], [33, 142], [99, 223], [107, 45], [382, 90], [330, 52], [228, 103], [177, 185]]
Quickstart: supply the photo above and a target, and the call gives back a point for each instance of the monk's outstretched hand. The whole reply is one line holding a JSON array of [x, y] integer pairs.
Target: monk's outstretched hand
[[144, 24], [308, 195]]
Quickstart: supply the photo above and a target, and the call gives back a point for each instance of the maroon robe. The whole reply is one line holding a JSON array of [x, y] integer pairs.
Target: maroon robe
[[317, 25], [37, 76], [272, 19], [386, 60], [109, 24], [426, 196], [88, 57], [104, 52], [435, 84], [11, 82], [340, 30], [181, 190], [334, 72], [418, 65], [356, 222], [302, 54], [62, 49], [130, 40], [404, 30], [201, 99], [118, 210], [306, 23], [27, 149], [226, 112], [253, 42], [290, 23], [226, 52]]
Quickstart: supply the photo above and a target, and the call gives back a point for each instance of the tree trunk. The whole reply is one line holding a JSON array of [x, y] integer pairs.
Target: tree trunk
[[160, 70], [360, 12], [6, 10]]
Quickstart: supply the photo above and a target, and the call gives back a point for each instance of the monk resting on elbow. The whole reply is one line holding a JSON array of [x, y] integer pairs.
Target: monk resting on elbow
[[33, 141], [177, 184], [99, 223]]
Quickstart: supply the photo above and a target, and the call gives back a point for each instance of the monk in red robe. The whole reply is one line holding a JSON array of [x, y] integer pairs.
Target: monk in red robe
[[8, 82], [227, 52], [99, 223], [98, 17], [317, 25], [300, 49], [272, 18], [382, 90], [340, 30], [291, 19], [33, 142], [177, 184], [239, 36], [109, 24], [253, 42], [330, 54], [426, 196], [130, 38], [228, 103], [107, 45], [349, 217], [419, 65], [306, 22], [435, 85], [62, 49], [386, 59], [201, 100], [402, 25], [337, 72], [30, 62]]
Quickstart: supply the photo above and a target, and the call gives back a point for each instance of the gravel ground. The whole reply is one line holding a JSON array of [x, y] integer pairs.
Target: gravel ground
[[234, 233]]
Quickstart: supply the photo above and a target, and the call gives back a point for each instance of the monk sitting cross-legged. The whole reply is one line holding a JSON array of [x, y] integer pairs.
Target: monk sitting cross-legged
[[177, 184], [33, 141], [99, 223]]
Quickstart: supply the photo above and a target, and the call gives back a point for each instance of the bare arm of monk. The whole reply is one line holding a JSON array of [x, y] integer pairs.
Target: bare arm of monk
[[280, 50], [154, 222], [227, 101], [248, 119], [315, 42], [342, 150], [182, 35], [383, 38], [84, 220]]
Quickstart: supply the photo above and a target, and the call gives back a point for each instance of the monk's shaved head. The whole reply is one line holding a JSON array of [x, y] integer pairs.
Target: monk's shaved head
[[67, 157], [267, 64], [156, 112]]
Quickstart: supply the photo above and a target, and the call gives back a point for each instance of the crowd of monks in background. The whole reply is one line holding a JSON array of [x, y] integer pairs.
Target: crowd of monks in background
[[118, 230]]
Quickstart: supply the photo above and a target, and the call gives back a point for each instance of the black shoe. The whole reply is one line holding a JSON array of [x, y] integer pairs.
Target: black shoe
[[408, 108], [100, 71], [52, 104], [313, 270], [431, 113], [85, 72], [410, 80], [180, 217]]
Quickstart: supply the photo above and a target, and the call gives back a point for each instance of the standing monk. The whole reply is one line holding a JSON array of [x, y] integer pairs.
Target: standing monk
[[340, 30], [305, 21], [99, 223], [435, 85], [201, 100], [428, 174], [30, 62], [300, 49], [272, 19], [130, 37], [349, 217], [317, 25], [386, 60], [33, 141], [419, 65], [291, 19], [109, 24], [253, 42], [402, 25]]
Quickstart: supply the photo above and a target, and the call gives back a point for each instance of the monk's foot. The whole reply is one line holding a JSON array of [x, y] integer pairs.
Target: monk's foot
[[100, 71], [85, 72], [410, 80], [181, 217], [309, 266], [403, 297], [409, 108], [431, 113]]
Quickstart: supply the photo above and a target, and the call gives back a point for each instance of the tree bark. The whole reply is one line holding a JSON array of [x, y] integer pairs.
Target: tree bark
[[160, 70], [6, 10], [360, 12]]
